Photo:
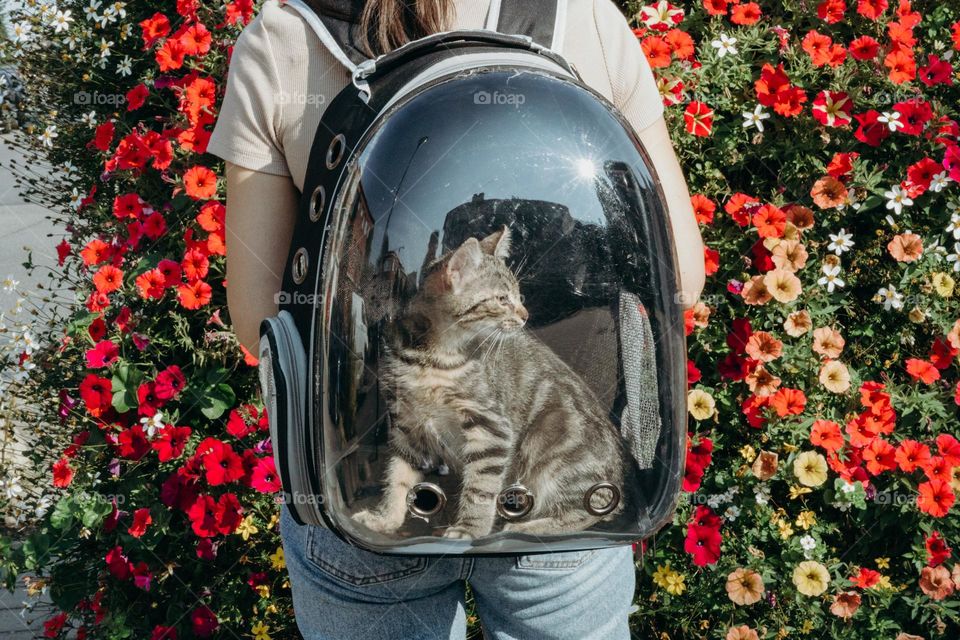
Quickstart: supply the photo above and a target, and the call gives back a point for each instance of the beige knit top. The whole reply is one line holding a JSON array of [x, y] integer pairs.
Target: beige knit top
[[281, 78]]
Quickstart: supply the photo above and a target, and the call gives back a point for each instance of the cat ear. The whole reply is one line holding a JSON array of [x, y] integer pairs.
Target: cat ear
[[497, 243], [464, 260]]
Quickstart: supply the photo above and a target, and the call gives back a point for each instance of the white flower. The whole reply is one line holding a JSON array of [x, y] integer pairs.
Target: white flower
[[724, 45], [9, 284], [808, 542], [732, 513], [954, 226], [762, 494], [939, 181], [49, 133], [831, 277], [840, 242], [90, 11], [955, 256], [897, 198], [89, 118], [661, 13], [892, 120], [890, 297], [62, 20], [22, 32], [124, 68], [152, 424], [105, 47], [755, 118]]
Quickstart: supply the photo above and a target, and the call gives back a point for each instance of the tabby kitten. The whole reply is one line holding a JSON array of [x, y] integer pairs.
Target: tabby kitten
[[469, 387]]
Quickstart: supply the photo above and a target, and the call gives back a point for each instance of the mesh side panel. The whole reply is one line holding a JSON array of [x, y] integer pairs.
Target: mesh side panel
[[640, 423]]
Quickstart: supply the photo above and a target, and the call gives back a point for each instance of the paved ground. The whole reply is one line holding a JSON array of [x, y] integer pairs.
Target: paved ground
[[21, 224]]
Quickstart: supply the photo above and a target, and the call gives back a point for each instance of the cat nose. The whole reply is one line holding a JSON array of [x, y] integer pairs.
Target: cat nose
[[522, 312]]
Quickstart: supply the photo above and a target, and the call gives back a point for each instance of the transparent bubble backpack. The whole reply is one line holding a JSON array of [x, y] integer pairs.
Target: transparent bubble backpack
[[479, 347]]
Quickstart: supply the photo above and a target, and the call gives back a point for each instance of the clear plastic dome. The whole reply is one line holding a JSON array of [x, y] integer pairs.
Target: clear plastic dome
[[498, 351]]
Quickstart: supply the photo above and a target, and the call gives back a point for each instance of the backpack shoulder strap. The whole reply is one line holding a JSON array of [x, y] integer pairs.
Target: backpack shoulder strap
[[335, 32], [543, 20]]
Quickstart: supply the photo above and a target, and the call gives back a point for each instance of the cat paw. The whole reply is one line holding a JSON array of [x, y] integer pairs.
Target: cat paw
[[457, 533], [376, 521]]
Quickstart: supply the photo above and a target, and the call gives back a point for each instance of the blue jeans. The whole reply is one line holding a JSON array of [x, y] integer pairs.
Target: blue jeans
[[341, 592]]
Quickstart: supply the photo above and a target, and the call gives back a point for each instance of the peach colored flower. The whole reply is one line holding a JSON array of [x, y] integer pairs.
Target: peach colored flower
[[755, 291], [955, 574], [743, 632], [783, 285], [799, 216], [701, 315], [909, 636], [954, 336], [765, 466], [762, 383], [828, 192], [936, 582], [835, 377], [797, 323], [764, 347], [906, 247], [828, 342], [845, 604], [789, 255], [744, 586]]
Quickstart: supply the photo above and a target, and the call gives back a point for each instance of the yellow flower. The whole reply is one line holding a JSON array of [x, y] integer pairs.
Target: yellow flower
[[811, 578], [796, 491], [807, 626], [246, 528], [806, 519], [274, 519], [700, 404], [834, 377], [675, 585], [748, 453], [263, 590], [669, 580], [277, 559], [260, 631], [883, 563], [883, 584], [810, 468], [783, 285], [785, 529], [943, 284]]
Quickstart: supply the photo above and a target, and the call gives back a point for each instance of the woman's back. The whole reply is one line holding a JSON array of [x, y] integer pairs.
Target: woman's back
[[288, 78]]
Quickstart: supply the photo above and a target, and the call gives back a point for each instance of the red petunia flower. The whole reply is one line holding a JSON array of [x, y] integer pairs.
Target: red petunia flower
[[108, 279], [203, 621], [922, 370], [698, 118], [141, 520], [912, 455], [170, 442], [133, 442], [935, 498], [826, 434], [200, 183], [264, 478], [62, 473], [97, 394], [221, 463], [937, 550]]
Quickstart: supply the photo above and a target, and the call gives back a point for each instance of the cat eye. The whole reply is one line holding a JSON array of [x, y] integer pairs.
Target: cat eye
[[503, 299]]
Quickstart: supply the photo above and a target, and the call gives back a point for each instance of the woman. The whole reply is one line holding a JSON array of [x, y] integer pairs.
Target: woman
[[280, 80]]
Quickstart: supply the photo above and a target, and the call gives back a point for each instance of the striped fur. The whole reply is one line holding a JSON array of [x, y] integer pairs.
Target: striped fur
[[468, 387]]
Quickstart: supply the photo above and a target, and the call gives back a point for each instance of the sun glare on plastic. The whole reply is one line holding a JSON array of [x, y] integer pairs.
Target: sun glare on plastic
[[585, 168]]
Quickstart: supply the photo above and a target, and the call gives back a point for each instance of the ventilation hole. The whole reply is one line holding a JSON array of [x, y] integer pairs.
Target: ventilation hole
[[317, 202], [335, 151], [601, 499], [514, 502], [425, 499], [300, 264]]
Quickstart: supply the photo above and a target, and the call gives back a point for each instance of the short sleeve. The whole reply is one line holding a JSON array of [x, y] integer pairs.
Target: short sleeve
[[635, 90], [246, 132]]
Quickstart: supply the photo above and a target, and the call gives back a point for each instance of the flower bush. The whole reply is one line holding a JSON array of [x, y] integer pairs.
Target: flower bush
[[820, 143]]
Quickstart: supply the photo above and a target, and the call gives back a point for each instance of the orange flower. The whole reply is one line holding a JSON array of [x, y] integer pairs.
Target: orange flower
[[902, 66], [762, 383], [657, 51], [828, 342], [845, 604], [789, 255], [800, 216], [765, 466], [744, 586], [788, 402], [107, 279], [905, 247], [755, 291], [935, 498], [195, 294], [936, 582], [826, 435], [743, 632], [912, 455], [681, 43], [922, 370], [200, 183], [797, 323], [764, 347], [703, 208], [769, 221], [828, 192]]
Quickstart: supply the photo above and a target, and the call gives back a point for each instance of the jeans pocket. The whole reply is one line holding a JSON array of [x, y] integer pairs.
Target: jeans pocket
[[354, 566], [559, 560]]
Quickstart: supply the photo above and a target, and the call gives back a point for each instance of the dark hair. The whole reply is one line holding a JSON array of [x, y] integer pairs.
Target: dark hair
[[387, 24]]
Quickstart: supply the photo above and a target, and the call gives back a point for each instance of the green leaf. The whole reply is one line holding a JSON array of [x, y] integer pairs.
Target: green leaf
[[62, 515], [124, 386]]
